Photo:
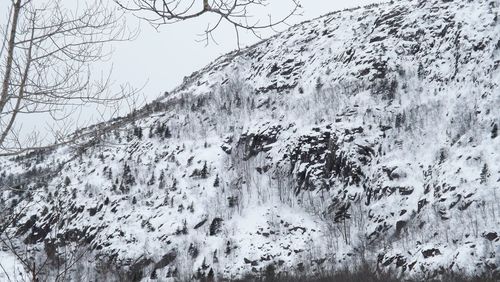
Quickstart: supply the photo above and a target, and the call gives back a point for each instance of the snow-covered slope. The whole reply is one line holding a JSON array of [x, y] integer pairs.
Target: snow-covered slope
[[367, 135]]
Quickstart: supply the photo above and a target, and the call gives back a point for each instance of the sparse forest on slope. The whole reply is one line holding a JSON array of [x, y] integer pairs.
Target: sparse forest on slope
[[364, 138]]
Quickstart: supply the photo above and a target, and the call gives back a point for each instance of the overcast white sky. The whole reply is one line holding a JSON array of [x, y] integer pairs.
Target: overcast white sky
[[160, 59], [165, 57]]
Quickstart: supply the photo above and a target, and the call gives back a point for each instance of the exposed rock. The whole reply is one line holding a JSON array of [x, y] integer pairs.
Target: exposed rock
[[167, 259], [215, 226], [431, 253]]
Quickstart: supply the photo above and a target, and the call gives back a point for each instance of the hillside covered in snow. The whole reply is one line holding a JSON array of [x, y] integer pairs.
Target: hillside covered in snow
[[366, 136]]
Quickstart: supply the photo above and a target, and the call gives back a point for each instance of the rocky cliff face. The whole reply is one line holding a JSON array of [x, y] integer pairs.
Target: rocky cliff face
[[367, 135]]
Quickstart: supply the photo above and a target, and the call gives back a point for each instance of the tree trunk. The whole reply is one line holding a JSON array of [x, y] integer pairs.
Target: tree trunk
[[10, 56], [22, 86]]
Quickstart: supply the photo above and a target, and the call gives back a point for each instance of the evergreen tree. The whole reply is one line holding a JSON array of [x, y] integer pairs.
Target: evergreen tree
[[341, 216], [400, 120], [152, 180], [182, 230], [151, 133], [204, 171], [160, 129], [485, 174], [174, 185], [127, 179], [167, 133], [67, 181], [442, 156], [153, 276], [319, 84], [138, 132], [216, 182], [110, 174], [161, 185]]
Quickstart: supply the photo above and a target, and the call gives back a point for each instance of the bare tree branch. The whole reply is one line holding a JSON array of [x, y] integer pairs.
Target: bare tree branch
[[47, 66], [237, 13]]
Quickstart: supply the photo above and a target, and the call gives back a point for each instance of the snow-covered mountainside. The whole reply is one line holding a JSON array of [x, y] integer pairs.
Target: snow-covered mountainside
[[365, 136]]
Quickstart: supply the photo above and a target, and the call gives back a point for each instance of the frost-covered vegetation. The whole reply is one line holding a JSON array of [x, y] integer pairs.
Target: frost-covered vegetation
[[366, 137]]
